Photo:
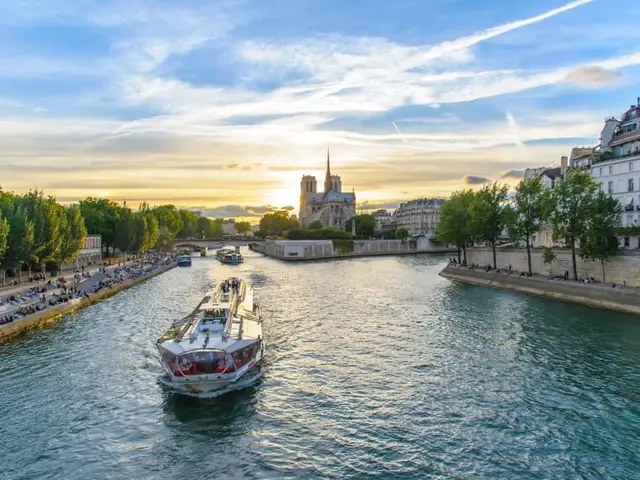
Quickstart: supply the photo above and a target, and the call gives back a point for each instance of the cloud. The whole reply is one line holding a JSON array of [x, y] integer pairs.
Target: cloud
[[592, 76], [235, 211], [475, 180], [518, 174]]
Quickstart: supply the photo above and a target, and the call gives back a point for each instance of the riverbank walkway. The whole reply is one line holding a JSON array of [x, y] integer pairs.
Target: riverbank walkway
[[19, 302], [603, 295]]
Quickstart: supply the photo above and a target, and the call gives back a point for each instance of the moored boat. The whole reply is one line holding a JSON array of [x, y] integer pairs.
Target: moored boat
[[229, 256], [184, 261], [218, 343], [204, 252], [215, 246]]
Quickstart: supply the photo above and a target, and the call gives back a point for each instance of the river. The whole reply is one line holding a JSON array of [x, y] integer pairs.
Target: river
[[376, 368]]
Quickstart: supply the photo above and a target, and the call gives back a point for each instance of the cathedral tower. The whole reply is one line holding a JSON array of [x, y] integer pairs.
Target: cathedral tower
[[328, 184]]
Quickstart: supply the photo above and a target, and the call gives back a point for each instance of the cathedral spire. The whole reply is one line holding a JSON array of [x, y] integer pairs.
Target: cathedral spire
[[327, 179]]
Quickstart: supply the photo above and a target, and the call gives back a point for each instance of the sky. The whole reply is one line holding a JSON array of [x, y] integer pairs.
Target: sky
[[224, 105]]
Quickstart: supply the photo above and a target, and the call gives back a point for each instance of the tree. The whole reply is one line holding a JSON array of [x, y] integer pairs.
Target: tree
[[242, 227], [487, 214], [572, 202], [525, 218], [170, 224], [76, 234], [548, 257], [189, 224], [315, 225], [204, 228], [402, 234], [54, 229], [4, 234], [455, 226], [598, 240], [276, 223], [100, 217], [125, 239], [365, 225]]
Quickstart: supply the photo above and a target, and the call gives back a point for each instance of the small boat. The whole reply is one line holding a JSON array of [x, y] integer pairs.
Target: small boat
[[218, 343], [229, 256], [204, 252], [215, 246], [184, 261]]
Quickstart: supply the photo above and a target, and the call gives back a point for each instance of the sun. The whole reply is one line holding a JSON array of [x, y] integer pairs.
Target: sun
[[283, 197], [288, 195]]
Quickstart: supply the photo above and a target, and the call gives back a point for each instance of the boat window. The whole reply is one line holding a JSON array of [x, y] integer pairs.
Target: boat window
[[203, 363]]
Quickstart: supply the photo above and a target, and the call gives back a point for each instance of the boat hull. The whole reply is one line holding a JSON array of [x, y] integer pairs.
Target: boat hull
[[208, 383]]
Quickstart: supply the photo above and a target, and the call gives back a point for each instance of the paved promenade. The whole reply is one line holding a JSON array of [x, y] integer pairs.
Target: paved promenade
[[16, 315], [626, 299]]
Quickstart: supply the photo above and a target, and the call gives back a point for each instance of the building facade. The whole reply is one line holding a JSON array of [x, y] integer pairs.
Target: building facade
[[615, 163], [384, 220], [332, 208], [420, 216]]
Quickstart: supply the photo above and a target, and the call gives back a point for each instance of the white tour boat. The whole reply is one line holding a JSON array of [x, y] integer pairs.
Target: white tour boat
[[218, 343]]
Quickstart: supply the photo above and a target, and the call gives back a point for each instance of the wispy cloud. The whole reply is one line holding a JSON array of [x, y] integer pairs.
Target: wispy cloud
[[155, 93]]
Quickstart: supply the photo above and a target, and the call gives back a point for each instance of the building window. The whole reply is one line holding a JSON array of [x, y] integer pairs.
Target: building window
[[610, 169], [599, 171], [631, 186], [631, 166], [610, 186]]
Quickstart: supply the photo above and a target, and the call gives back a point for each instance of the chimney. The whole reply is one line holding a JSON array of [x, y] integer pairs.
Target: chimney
[[564, 161]]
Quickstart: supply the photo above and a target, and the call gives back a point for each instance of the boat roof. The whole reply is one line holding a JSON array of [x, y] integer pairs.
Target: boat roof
[[242, 327], [211, 305]]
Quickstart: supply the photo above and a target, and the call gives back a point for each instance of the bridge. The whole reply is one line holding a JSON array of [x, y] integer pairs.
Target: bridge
[[198, 245]]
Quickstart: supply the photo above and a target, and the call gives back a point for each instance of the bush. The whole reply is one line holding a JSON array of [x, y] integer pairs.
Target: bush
[[343, 246]]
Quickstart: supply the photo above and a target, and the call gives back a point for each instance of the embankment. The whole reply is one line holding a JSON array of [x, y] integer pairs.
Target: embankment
[[601, 296], [52, 314]]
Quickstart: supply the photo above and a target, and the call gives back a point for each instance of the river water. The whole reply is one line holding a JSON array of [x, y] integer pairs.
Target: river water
[[377, 368]]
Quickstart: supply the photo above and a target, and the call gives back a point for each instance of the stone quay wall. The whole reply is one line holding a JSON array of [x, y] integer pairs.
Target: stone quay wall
[[361, 248], [51, 314], [620, 269], [594, 295]]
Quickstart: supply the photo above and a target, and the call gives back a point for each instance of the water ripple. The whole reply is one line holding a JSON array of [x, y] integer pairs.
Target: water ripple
[[376, 368]]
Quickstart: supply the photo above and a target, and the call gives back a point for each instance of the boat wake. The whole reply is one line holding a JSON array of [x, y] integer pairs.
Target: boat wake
[[248, 380]]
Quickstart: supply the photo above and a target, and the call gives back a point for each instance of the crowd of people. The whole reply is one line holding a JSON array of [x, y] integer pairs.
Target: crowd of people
[[54, 292]]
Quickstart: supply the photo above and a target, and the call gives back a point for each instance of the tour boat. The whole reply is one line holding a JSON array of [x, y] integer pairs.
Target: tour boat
[[218, 343], [184, 261], [204, 252], [229, 256]]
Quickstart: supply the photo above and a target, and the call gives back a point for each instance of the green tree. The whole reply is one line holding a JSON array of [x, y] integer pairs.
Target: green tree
[[402, 234], [55, 228], [276, 223], [572, 201], [151, 230], [487, 214], [242, 227], [205, 228], [455, 222], [365, 225], [126, 239], [548, 257], [189, 224], [76, 234], [315, 225], [4, 237], [101, 217], [525, 218], [598, 240], [169, 222]]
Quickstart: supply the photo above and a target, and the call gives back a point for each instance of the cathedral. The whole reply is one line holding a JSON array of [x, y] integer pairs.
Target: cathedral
[[331, 207]]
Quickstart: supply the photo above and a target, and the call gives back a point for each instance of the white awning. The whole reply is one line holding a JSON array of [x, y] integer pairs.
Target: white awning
[[172, 347]]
